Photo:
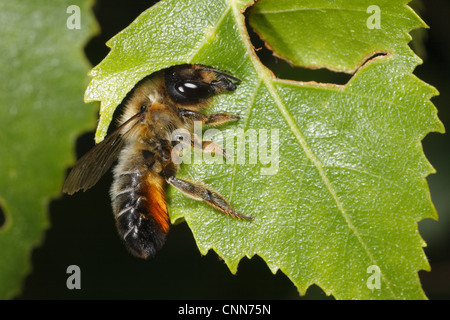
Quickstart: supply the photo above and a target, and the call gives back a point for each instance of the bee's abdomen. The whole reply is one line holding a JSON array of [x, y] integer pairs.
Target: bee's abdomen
[[140, 210]]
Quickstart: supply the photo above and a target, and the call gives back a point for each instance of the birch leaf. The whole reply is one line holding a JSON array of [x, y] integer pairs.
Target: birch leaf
[[43, 76], [334, 175]]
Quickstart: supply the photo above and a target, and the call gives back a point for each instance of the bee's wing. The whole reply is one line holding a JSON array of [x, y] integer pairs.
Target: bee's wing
[[94, 164]]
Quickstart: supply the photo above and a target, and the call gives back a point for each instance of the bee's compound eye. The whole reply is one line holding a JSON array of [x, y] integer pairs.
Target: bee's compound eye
[[193, 90]]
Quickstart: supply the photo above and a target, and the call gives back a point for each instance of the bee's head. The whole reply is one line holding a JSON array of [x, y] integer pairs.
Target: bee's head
[[191, 84]]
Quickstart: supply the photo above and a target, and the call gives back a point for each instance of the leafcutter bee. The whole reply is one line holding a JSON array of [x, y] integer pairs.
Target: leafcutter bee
[[143, 143]]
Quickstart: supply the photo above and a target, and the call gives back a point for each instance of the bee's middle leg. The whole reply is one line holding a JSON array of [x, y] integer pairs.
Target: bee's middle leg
[[199, 192], [192, 140], [208, 147]]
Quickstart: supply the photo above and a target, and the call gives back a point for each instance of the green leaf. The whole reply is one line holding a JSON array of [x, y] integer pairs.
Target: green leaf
[[337, 201], [338, 35], [42, 112]]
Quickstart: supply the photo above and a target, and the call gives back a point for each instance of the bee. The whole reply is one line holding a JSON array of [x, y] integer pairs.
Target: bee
[[143, 143]]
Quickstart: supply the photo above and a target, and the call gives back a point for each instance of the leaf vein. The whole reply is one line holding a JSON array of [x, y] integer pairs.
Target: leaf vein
[[204, 42]]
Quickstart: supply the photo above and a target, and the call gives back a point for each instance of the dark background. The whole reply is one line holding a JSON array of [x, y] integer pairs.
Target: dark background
[[83, 224]]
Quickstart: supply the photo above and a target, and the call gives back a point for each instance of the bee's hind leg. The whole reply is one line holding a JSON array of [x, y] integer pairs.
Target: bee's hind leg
[[199, 192]]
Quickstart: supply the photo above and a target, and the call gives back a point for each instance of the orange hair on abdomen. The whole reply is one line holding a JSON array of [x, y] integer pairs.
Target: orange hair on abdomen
[[156, 200]]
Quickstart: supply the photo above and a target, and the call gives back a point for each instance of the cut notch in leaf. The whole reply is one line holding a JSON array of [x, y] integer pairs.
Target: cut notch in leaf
[[2, 216], [349, 32]]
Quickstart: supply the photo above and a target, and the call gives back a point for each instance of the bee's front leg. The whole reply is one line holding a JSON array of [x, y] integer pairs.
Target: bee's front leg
[[209, 119], [220, 118], [199, 192]]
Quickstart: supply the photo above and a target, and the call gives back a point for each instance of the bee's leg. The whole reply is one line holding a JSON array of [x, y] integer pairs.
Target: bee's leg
[[209, 147], [199, 192], [220, 118], [206, 146], [210, 119]]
